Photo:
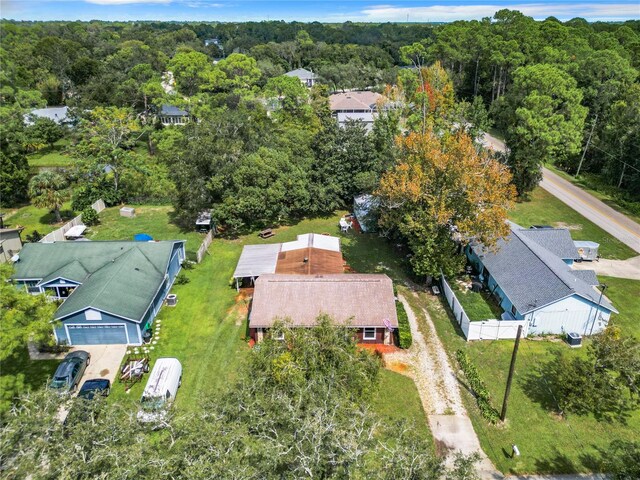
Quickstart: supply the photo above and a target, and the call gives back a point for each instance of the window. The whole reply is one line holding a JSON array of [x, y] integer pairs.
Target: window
[[369, 333], [92, 315], [513, 310], [278, 335]]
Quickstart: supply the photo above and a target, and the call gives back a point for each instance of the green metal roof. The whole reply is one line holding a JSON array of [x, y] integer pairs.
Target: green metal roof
[[121, 278]]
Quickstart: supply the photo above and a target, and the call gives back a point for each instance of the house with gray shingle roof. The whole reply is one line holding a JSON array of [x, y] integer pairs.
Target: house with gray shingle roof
[[110, 291], [172, 115], [529, 274], [307, 77]]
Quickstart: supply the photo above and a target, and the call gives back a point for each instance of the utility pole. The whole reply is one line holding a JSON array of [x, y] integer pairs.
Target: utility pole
[[593, 126], [503, 415], [624, 166], [595, 316]]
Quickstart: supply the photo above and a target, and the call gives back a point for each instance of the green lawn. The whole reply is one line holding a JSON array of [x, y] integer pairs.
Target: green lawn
[[153, 220], [594, 185], [547, 442], [33, 218], [20, 374], [477, 305], [544, 209], [51, 157]]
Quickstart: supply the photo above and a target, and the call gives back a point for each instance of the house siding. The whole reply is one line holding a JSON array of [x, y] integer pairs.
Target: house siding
[[572, 314], [359, 334], [133, 329]]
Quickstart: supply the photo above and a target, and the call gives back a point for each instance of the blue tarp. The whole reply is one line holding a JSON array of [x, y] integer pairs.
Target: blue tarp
[[142, 237]]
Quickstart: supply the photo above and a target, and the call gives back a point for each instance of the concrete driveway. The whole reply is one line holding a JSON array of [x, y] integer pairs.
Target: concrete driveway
[[105, 361]]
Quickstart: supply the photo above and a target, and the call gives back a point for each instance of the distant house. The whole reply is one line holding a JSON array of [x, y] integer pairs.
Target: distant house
[[111, 291], [530, 276], [212, 41], [170, 115], [10, 243], [355, 106], [310, 254], [307, 77], [364, 302], [60, 115]]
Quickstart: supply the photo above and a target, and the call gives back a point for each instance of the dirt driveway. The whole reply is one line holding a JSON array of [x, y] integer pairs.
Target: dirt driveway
[[105, 361]]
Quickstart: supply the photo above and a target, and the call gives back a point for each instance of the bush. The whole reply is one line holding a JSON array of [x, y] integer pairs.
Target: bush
[[34, 237], [182, 279], [404, 330], [478, 387], [90, 216]]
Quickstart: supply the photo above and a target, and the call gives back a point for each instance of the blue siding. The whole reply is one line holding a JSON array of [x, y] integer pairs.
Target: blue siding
[[79, 319]]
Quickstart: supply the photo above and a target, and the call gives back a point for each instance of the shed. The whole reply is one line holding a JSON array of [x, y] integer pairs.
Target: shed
[[364, 208], [587, 250]]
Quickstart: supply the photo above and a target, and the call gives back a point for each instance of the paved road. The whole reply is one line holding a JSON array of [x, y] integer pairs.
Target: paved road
[[610, 220], [615, 223]]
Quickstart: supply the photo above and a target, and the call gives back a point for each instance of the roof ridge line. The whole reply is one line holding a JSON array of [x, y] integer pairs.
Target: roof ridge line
[[525, 240]]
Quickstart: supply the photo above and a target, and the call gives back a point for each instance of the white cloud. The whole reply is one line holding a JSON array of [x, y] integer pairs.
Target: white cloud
[[447, 13], [125, 2]]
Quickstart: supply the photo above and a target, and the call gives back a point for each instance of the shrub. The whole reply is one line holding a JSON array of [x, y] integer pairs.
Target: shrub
[[182, 279], [404, 330], [34, 237], [483, 399], [90, 216]]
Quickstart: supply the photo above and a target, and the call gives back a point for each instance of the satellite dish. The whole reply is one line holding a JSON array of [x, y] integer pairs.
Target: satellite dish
[[387, 324]]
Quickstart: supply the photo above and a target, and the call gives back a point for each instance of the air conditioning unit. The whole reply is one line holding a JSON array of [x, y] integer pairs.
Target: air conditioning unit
[[574, 339], [172, 300]]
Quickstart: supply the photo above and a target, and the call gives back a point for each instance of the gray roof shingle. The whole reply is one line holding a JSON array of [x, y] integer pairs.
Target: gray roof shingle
[[532, 276], [557, 240]]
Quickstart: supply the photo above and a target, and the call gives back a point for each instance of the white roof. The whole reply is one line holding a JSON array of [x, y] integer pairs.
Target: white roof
[[586, 244], [257, 260], [156, 385], [76, 231], [57, 114], [366, 117], [323, 242]]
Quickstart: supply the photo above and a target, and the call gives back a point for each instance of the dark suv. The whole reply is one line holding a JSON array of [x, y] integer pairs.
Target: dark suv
[[70, 371]]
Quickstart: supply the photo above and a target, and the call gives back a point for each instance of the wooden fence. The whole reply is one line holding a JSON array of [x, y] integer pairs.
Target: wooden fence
[[491, 329], [58, 235], [204, 246]]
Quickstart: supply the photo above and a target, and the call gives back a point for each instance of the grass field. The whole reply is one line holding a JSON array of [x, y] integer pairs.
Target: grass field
[[544, 209], [51, 157], [33, 218], [547, 442]]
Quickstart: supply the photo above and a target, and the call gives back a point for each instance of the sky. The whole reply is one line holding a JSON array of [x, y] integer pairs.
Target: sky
[[308, 10]]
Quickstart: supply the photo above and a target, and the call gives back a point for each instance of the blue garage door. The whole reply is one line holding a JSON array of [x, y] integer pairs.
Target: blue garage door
[[96, 334]]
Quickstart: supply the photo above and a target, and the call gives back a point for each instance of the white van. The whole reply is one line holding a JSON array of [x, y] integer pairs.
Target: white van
[[161, 390]]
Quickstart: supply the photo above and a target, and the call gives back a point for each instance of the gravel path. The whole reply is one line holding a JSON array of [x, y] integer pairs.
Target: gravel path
[[438, 387]]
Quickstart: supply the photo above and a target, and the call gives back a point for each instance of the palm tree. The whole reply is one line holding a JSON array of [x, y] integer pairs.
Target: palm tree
[[48, 190]]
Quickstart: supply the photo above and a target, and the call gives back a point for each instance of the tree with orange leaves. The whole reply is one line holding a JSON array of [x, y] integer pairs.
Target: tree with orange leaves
[[441, 191]]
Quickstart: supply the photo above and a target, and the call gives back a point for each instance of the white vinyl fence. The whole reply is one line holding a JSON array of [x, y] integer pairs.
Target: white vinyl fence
[[483, 330], [204, 246], [58, 235]]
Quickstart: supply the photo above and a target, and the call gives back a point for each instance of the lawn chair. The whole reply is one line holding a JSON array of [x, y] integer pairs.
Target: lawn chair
[[344, 225]]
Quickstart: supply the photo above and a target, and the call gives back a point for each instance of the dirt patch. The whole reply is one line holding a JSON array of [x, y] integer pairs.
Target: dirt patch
[[104, 372], [398, 367], [568, 226]]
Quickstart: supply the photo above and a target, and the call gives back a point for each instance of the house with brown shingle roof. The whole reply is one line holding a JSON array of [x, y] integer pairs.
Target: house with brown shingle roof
[[364, 302], [357, 105]]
